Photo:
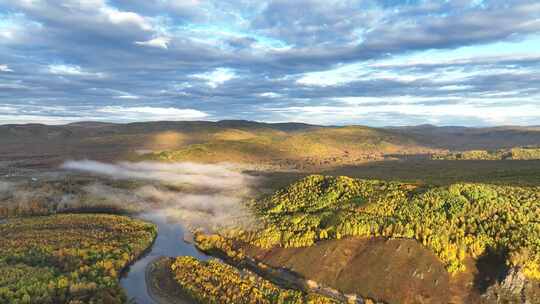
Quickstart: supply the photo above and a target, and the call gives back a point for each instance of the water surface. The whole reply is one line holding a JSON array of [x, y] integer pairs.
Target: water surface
[[170, 243]]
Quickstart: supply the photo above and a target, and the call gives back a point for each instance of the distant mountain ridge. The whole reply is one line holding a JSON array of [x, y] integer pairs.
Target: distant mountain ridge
[[242, 140], [467, 138]]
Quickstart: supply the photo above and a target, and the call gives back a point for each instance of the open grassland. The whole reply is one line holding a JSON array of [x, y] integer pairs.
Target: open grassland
[[213, 282], [71, 258]]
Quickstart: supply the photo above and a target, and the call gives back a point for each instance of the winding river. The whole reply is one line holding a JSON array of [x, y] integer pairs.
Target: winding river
[[169, 243]]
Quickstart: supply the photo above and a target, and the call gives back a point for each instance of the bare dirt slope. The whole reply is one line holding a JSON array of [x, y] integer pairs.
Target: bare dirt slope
[[393, 271]]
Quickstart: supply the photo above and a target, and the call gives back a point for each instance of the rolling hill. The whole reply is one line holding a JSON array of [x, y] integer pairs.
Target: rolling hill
[[287, 145]]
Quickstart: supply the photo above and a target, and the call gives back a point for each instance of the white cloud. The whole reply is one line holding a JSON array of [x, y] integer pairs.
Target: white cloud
[[6, 109], [16, 118], [7, 34], [133, 97], [400, 72], [33, 3], [401, 111], [98, 16], [15, 113], [203, 38], [402, 99], [116, 94], [270, 95], [152, 113], [411, 61], [71, 70], [65, 69], [14, 86], [217, 77], [454, 87], [354, 72], [127, 96], [332, 77], [158, 42], [119, 17], [5, 68], [16, 28]]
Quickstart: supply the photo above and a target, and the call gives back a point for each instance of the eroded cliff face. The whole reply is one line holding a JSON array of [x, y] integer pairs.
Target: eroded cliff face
[[514, 288]]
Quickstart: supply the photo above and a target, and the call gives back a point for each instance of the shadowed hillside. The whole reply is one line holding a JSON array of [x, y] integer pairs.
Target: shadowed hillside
[[462, 138]]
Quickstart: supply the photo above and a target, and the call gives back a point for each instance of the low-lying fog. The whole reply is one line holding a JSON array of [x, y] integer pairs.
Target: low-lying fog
[[200, 195]]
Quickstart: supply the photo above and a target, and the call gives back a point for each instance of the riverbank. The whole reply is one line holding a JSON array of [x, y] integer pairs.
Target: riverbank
[[161, 285], [168, 243]]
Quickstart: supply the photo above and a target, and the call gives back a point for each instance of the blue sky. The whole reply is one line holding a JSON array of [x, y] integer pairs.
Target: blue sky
[[377, 63]]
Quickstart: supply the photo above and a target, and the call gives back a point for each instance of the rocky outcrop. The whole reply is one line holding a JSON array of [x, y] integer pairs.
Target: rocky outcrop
[[514, 288]]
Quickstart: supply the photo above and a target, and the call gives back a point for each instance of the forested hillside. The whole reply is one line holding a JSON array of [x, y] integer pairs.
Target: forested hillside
[[521, 153], [73, 258], [453, 221], [216, 282], [317, 146]]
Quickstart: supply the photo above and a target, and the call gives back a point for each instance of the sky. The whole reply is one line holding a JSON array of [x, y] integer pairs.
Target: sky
[[332, 62]]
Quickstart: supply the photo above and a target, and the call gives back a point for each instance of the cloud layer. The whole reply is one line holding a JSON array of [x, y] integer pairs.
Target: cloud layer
[[377, 62]]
